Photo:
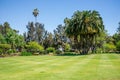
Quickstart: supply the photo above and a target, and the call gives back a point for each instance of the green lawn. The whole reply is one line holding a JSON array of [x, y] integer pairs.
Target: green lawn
[[85, 67]]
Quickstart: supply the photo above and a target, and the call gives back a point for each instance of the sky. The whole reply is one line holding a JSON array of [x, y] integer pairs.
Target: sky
[[53, 12]]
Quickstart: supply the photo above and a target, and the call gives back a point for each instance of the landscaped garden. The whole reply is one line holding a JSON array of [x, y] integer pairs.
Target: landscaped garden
[[80, 47]]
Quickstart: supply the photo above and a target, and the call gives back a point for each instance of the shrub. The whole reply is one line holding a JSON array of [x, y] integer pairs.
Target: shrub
[[68, 53], [58, 52], [34, 47], [43, 52], [109, 47], [14, 51], [118, 45], [99, 50], [10, 51], [77, 51], [4, 48], [26, 53], [50, 49], [1, 51], [67, 47]]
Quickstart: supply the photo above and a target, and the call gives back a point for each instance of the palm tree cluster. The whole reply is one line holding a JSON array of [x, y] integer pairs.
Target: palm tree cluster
[[84, 27]]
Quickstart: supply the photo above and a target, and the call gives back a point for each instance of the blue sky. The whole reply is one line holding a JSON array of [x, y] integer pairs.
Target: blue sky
[[52, 12]]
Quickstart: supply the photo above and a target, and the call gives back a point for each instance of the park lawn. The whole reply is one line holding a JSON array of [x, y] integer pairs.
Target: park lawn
[[82, 67]]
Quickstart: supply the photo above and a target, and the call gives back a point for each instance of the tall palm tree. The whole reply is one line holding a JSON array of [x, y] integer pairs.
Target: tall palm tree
[[35, 13]]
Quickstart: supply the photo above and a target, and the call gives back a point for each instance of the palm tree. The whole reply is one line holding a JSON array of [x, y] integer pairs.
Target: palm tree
[[84, 27], [35, 13]]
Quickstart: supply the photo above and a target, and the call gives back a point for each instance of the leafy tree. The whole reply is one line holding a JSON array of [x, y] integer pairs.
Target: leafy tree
[[30, 36], [1, 29], [48, 41], [10, 38], [2, 39], [116, 36], [39, 32], [118, 29], [16, 41], [109, 39], [20, 43], [6, 28], [35, 33], [84, 26], [100, 40], [59, 38]]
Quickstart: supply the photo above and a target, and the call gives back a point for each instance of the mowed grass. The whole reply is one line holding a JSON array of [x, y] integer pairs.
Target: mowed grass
[[84, 67]]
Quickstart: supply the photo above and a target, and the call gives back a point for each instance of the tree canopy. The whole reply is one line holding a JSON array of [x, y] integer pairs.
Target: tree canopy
[[83, 33], [84, 26]]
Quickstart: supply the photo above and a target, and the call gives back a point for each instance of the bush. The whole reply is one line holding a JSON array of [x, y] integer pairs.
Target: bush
[[109, 47], [77, 51], [10, 51], [14, 51], [58, 52], [34, 47], [68, 53], [118, 45], [43, 52], [1, 51], [67, 47], [26, 53], [4, 48], [50, 49], [99, 50]]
